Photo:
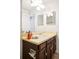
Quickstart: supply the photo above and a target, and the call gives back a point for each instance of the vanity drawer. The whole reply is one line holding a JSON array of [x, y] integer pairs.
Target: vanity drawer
[[43, 45]]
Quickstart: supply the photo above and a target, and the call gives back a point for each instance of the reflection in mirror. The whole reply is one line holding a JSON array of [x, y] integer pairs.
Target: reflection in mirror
[[51, 19], [40, 19]]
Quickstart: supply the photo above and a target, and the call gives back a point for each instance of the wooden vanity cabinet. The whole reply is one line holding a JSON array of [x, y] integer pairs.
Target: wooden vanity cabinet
[[43, 51], [42, 54], [51, 48]]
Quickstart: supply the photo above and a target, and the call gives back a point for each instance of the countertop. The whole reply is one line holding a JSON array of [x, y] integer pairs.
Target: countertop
[[42, 37]]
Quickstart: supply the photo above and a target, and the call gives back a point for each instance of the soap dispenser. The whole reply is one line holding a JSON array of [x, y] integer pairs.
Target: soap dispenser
[[29, 35]]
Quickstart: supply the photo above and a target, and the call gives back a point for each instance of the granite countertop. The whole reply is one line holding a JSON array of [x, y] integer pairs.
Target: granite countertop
[[42, 37]]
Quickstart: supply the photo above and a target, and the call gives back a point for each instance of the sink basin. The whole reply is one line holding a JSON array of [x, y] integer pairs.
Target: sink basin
[[35, 36]]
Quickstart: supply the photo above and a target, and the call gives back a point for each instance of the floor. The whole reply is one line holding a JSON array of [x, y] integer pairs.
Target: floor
[[55, 56]]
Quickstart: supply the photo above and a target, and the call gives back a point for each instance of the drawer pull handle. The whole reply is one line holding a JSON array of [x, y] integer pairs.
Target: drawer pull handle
[[46, 53], [32, 53]]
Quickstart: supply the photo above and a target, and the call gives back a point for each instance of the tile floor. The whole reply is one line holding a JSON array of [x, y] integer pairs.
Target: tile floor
[[55, 56]]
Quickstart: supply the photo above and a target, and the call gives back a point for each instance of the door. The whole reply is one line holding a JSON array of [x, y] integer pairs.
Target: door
[[32, 23], [42, 54]]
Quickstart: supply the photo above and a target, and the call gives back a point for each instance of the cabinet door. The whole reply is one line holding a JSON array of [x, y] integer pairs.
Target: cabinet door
[[51, 49], [42, 54], [54, 45], [48, 52], [25, 51]]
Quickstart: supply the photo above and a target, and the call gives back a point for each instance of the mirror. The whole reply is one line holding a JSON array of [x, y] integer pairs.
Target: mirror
[[40, 20], [51, 19]]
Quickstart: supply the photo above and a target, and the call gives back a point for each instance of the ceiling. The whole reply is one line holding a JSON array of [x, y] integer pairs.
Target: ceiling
[[26, 4]]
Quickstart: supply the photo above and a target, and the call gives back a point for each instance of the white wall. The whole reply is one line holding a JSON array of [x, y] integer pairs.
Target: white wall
[[25, 20], [51, 28], [28, 21], [47, 28]]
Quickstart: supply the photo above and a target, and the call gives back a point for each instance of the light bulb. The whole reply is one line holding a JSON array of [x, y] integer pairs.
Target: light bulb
[[42, 6], [38, 8], [51, 14]]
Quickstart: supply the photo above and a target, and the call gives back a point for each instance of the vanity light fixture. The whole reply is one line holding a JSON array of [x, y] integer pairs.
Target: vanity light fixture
[[49, 14], [38, 4]]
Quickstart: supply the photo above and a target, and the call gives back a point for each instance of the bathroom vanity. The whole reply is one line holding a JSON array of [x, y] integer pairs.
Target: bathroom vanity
[[41, 48]]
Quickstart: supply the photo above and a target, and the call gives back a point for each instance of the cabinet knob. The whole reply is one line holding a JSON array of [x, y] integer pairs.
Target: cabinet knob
[[46, 53], [51, 48]]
